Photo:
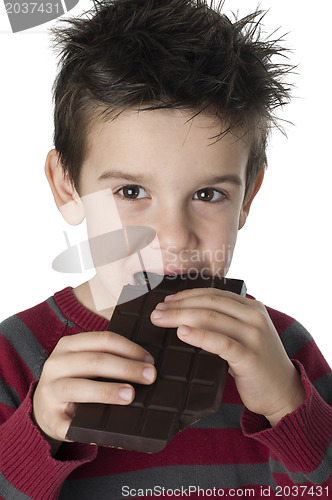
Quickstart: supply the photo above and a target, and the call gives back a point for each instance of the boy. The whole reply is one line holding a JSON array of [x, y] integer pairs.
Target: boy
[[162, 110]]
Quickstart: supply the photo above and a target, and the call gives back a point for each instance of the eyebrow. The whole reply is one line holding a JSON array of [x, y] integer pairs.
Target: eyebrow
[[223, 179], [139, 179], [116, 174]]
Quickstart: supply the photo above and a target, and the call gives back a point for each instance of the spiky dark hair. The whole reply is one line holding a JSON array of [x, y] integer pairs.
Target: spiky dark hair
[[154, 54]]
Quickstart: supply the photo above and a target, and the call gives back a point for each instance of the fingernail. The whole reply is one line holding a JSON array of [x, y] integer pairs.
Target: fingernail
[[184, 330], [157, 314], [149, 359], [126, 393], [161, 306], [148, 374]]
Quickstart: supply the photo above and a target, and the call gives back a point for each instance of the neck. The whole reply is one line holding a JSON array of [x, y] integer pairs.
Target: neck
[[91, 295]]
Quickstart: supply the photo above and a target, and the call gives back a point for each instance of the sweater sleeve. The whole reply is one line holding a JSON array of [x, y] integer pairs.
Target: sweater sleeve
[[27, 469], [301, 443]]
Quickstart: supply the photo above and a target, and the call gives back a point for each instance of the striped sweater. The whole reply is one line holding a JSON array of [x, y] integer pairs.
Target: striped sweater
[[232, 453]]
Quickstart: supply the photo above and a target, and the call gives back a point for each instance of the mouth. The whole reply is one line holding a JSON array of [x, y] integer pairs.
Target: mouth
[[150, 278]]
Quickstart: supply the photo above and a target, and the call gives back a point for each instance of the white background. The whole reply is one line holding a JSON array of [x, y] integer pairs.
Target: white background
[[283, 252]]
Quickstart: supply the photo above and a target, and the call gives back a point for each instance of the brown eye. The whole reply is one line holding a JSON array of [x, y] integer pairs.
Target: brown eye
[[209, 194], [132, 192], [205, 194]]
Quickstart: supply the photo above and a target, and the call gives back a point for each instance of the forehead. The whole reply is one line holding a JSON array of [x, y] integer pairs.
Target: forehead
[[163, 138]]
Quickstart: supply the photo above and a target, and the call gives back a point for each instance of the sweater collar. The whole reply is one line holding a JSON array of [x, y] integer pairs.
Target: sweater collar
[[74, 311]]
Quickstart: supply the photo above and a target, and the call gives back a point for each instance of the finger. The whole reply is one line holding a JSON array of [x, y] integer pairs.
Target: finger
[[104, 342], [216, 343], [207, 291], [211, 301], [93, 391], [100, 364], [84, 391], [58, 427], [200, 318]]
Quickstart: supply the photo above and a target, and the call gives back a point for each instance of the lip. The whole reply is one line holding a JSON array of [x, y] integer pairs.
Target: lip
[[141, 276], [166, 272]]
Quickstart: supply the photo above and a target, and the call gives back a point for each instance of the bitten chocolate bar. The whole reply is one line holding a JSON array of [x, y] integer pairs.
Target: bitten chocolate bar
[[189, 384]]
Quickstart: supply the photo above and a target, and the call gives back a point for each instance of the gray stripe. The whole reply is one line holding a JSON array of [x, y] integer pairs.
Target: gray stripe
[[203, 476], [25, 344], [57, 311], [294, 338], [9, 396], [324, 387], [9, 492], [227, 417], [318, 476]]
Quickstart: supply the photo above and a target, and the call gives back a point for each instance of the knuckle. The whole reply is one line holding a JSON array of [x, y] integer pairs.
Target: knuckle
[[108, 336], [260, 305], [211, 299], [130, 370], [257, 318], [176, 312], [227, 344], [62, 342], [105, 339], [115, 342], [134, 350], [43, 392], [214, 299], [260, 320], [64, 389], [211, 315], [95, 361], [108, 393], [49, 365]]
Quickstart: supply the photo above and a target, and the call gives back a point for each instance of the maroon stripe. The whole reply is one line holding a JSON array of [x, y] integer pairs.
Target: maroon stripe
[[207, 446], [13, 371]]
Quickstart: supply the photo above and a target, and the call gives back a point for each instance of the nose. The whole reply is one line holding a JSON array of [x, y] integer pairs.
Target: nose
[[175, 231]]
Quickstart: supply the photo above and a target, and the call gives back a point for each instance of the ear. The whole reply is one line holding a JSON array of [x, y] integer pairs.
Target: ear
[[249, 198], [65, 195]]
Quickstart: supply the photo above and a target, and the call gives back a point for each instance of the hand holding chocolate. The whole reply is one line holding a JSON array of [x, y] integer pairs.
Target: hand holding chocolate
[[189, 384]]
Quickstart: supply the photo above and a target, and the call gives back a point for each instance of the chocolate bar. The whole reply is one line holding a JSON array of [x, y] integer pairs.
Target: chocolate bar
[[189, 384]]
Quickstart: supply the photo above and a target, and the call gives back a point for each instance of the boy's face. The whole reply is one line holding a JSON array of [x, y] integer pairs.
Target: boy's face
[[160, 169]]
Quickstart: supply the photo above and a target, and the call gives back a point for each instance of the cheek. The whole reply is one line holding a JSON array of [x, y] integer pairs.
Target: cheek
[[219, 242], [222, 249]]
